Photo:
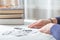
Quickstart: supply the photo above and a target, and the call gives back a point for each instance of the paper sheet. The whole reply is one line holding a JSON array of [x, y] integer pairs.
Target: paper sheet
[[22, 33]]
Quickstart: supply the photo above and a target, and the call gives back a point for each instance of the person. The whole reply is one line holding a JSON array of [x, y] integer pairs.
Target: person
[[49, 26]]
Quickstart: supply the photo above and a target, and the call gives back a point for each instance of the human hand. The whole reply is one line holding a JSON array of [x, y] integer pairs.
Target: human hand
[[40, 23], [46, 28]]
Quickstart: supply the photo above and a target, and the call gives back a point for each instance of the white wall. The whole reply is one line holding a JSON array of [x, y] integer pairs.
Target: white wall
[[56, 8], [37, 9]]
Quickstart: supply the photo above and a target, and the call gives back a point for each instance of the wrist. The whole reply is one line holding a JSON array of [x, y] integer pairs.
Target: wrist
[[53, 20]]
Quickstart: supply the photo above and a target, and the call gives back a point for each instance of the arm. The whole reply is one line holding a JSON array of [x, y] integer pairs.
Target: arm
[[55, 31], [56, 20], [42, 22]]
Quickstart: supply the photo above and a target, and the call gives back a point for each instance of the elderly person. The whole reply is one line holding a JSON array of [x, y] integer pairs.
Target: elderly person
[[49, 26]]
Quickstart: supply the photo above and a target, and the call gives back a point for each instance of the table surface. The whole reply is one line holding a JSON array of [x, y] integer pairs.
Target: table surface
[[21, 32]]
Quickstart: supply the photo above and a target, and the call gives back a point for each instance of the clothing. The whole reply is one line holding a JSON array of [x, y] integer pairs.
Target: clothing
[[55, 30], [58, 20]]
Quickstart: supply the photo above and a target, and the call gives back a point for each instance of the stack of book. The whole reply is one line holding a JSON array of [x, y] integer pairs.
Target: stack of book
[[12, 16], [11, 12]]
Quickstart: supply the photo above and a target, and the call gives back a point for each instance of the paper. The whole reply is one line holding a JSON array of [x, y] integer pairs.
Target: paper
[[23, 33], [18, 32]]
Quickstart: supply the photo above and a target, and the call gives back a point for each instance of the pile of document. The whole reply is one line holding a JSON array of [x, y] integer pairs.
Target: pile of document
[[13, 13], [26, 33], [11, 16], [22, 33]]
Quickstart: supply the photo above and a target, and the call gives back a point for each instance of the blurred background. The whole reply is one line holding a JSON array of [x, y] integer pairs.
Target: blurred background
[[39, 9], [34, 9]]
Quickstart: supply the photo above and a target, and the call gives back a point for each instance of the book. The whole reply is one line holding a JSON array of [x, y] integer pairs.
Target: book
[[20, 16], [12, 11], [11, 21]]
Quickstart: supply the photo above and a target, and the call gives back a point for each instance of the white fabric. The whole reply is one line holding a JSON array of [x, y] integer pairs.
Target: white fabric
[[21, 32]]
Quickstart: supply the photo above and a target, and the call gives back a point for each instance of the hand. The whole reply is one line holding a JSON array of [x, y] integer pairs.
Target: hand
[[39, 23], [46, 28]]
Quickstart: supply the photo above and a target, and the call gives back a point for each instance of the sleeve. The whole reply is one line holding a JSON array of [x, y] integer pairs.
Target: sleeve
[[55, 31], [58, 20]]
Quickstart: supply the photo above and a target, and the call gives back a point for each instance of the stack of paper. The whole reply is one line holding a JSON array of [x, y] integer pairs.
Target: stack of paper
[[17, 13], [13, 13], [23, 33], [12, 16]]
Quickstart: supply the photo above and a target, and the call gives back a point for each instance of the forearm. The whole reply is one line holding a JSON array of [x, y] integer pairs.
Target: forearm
[[56, 20], [53, 20], [55, 31]]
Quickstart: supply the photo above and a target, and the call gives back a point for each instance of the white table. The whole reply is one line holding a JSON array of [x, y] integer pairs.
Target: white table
[[4, 29]]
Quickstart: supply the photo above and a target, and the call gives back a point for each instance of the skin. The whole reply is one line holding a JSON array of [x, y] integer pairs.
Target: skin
[[44, 25], [46, 28]]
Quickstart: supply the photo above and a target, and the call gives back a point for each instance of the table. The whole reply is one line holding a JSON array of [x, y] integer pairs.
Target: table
[[7, 32]]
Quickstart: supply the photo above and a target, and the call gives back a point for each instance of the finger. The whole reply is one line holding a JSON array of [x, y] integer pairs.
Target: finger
[[32, 25], [40, 30], [44, 31]]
